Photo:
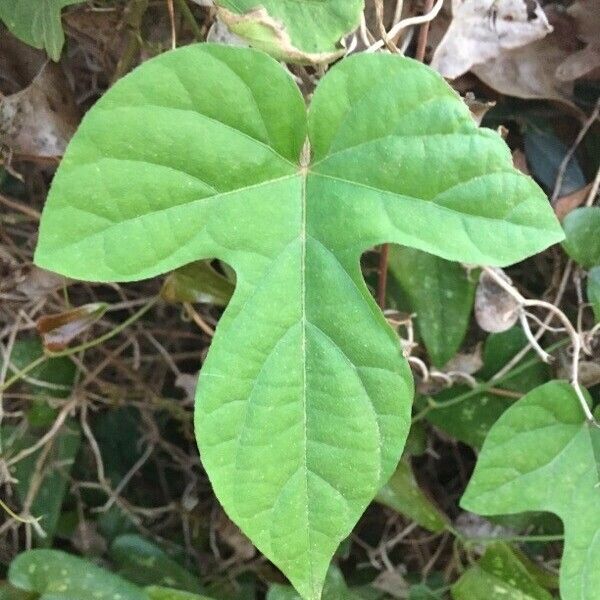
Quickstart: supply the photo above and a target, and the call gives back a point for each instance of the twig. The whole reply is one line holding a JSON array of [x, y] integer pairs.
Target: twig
[[423, 34], [396, 29], [594, 189], [173, 28], [506, 285]]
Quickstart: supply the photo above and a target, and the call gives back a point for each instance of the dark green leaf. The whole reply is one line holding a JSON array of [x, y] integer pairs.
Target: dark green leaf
[[593, 291], [441, 294], [582, 230]]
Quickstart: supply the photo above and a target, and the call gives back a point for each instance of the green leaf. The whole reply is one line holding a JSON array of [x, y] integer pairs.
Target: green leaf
[[402, 493], [441, 294], [335, 588], [161, 593], [198, 154], [54, 483], [582, 231], [145, 563], [301, 31], [37, 22], [469, 420], [542, 455], [197, 282], [500, 574], [593, 291], [59, 576]]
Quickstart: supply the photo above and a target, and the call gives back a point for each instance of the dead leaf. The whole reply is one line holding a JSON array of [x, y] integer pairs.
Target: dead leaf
[[233, 537], [466, 362], [36, 283], [495, 309], [392, 583], [563, 206], [481, 30], [528, 72], [520, 162], [478, 108], [60, 329], [39, 120], [586, 15], [221, 34]]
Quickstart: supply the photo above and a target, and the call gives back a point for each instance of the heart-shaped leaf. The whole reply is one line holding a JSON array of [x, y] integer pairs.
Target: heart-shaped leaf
[[37, 22], [541, 441], [303, 403], [302, 31]]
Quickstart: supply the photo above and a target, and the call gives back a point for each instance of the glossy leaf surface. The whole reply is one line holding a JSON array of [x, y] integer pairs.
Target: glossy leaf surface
[[500, 574], [541, 441], [303, 403]]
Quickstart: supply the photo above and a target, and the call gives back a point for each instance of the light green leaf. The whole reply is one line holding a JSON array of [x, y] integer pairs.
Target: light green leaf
[[161, 593], [501, 574], [593, 291], [582, 231], [302, 31], [145, 563], [402, 493], [542, 455], [198, 154], [335, 588], [441, 294], [37, 22], [59, 576]]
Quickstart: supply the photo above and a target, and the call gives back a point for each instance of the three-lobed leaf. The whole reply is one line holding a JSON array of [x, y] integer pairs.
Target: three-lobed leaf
[[303, 403], [542, 442], [37, 22]]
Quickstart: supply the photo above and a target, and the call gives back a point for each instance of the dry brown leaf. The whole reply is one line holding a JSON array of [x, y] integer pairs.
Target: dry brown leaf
[[495, 309], [60, 329], [586, 15], [219, 33], [37, 283], [528, 72], [466, 362], [478, 108], [481, 30], [520, 161], [563, 206], [39, 120]]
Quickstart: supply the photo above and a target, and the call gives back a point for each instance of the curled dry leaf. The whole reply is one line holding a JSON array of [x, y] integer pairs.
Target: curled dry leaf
[[39, 120], [478, 108], [466, 362], [586, 15], [36, 283], [60, 329], [528, 72], [495, 309], [481, 30]]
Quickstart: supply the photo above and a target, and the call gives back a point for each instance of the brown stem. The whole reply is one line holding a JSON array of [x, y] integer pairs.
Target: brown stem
[[385, 248]]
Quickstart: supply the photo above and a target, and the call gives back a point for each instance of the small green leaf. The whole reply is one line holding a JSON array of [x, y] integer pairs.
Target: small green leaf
[[37, 22], [202, 153], [301, 31], [145, 563], [501, 574], [55, 472], [402, 493], [197, 282], [161, 593], [441, 294], [471, 419], [582, 231], [593, 291], [540, 456], [335, 588], [59, 576]]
